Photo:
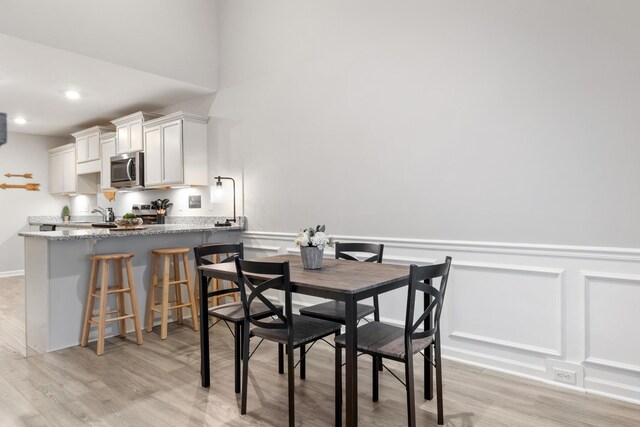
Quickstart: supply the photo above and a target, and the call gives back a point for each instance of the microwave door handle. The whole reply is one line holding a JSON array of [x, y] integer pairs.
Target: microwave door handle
[[130, 169]]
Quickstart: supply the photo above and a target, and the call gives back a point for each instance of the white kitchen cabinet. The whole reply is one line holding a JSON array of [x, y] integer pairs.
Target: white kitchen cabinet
[[88, 149], [62, 169], [129, 132], [176, 150], [63, 176], [107, 150], [55, 172]]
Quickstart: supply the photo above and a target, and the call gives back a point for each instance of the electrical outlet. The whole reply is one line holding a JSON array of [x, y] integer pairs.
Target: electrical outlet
[[567, 377], [195, 202]]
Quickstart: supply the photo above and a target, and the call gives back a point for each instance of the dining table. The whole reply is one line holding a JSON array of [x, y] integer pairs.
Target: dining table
[[340, 280]]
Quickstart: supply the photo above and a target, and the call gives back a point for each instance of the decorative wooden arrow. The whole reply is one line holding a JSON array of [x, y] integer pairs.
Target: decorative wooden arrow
[[24, 175], [28, 187]]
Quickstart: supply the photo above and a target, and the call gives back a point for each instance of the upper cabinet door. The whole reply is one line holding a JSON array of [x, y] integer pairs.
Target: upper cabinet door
[[153, 156], [82, 147], [93, 147], [122, 140], [172, 162], [55, 173], [69, 181], [136, 142], [107, 150]]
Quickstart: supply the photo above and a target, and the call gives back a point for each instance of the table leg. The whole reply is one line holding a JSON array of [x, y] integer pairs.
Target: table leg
[[352, 363], [204, 331], [428, 354]]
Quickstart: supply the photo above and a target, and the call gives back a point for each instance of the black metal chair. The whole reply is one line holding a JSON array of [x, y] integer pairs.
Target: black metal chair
[[294, 331], [400, 344], [335, 310], [232, 312]]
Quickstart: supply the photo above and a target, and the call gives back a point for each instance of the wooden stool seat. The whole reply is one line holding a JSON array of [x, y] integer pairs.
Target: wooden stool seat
[[108, 257], [171, 251], [165, 257], [101, 294]]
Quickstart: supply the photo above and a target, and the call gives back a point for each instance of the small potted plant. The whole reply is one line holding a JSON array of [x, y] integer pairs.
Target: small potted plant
[[66, 213], [128, 220], [312, 242]]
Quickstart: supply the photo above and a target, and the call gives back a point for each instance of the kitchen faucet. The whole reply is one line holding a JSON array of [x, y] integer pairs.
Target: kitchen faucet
[[102, 212], [107, 214]]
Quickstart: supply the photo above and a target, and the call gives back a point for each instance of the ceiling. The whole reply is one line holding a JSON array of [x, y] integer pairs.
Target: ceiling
[[35, 77]]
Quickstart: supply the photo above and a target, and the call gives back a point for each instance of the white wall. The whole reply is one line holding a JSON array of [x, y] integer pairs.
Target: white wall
[[474, 120], [164, 37], [438, 127], [24, 153]]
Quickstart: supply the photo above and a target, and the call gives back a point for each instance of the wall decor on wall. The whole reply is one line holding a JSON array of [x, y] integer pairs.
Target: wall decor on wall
[[24, 175], [28, 187]]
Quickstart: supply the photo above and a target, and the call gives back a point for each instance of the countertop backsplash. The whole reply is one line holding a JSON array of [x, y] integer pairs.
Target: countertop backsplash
[[83, 204]]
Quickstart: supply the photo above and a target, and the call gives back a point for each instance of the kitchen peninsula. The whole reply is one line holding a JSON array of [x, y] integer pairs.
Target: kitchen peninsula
[[57, 272]]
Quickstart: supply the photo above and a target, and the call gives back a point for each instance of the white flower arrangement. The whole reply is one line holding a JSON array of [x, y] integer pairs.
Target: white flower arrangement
[[314, 236]]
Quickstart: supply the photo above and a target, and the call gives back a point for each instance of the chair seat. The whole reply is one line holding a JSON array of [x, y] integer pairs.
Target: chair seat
[[233, 312], [335, 311], [384, 340], [305, 330]]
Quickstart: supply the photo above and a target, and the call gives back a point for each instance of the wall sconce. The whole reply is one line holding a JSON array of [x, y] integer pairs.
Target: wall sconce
[[218, 193]]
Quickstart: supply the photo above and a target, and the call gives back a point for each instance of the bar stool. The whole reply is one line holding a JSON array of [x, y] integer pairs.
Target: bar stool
[[164, 257], [102, 262]]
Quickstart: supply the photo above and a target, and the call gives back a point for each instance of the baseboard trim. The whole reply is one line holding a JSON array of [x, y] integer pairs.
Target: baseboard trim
[[11, 273]]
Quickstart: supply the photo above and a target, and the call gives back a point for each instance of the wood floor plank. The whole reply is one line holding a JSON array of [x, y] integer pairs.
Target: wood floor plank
[[158, 384]]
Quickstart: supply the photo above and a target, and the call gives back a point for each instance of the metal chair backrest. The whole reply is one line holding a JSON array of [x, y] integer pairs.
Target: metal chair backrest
[[420, 279], [343, 249], [203, 251], [254, 278]]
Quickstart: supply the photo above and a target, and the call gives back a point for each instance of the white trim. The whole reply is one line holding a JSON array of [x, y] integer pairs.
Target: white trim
[[468, 357], [508, 267], [11, 273], [262, 248], [612, 364], [572, 251], [620, 395], [504, 343]]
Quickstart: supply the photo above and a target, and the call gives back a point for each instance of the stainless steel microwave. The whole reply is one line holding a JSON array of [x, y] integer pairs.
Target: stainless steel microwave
[[127, 170]]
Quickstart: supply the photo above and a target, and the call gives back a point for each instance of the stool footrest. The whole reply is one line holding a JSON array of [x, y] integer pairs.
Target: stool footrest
[[113, 319], [108, 312], [160, 284], [111, 291], [173, 307]]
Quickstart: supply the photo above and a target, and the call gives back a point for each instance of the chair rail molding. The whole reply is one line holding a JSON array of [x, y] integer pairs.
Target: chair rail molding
[[520, 308]]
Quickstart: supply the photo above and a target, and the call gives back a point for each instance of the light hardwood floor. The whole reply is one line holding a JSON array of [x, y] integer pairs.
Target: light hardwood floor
[[157, 384]]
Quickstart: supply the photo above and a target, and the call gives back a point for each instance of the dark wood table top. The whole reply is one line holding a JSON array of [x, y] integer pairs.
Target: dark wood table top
[[336, 276]]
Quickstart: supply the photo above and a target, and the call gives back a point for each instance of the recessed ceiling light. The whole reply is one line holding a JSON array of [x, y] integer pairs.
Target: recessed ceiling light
[[20, 120], [72, 94]]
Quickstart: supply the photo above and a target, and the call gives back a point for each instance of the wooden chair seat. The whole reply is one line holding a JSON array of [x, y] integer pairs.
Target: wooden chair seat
[[335, 311], [234, 312], [305, 330], [381, 339], [171, 251]]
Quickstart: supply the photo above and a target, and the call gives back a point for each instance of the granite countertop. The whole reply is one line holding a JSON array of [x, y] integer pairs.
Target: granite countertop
[[105, 233]]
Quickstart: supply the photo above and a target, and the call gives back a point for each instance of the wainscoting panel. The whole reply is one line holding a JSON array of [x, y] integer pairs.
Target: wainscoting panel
[[612, 310], [523, 309], [507, 305]]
